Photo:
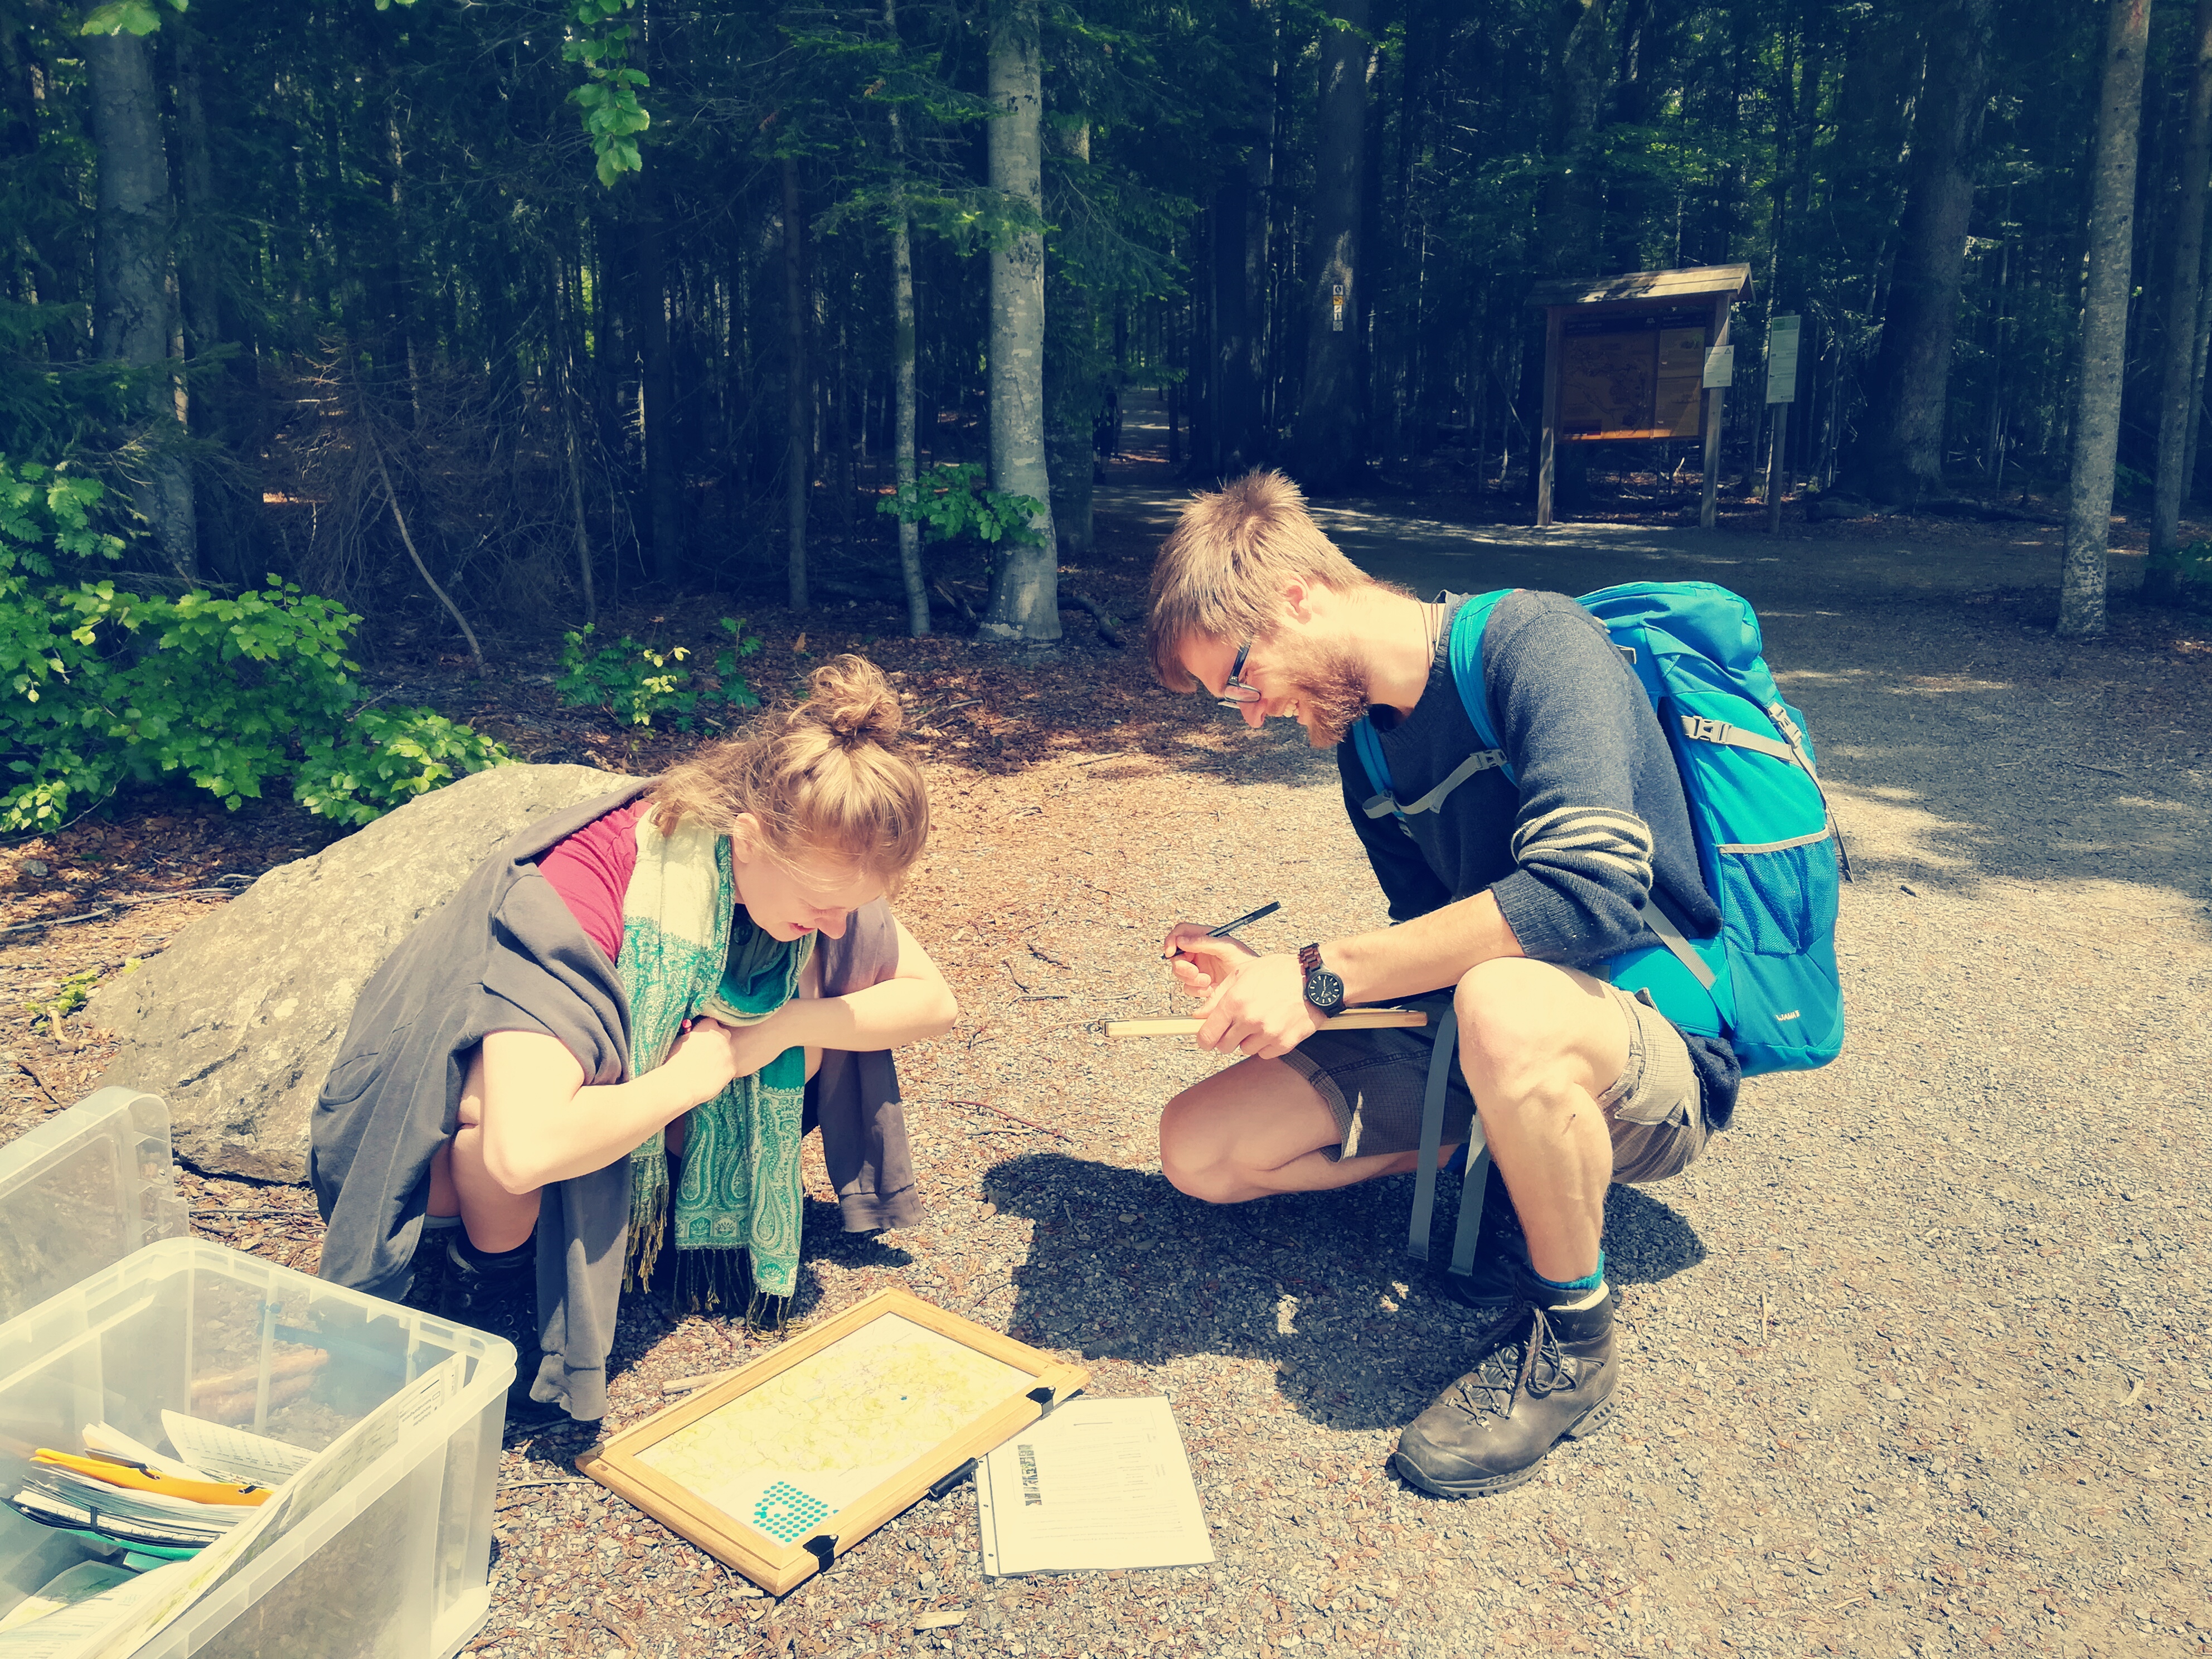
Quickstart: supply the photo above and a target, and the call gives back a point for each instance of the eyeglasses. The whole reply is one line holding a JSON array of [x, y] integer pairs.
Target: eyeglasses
[[1236, 694]]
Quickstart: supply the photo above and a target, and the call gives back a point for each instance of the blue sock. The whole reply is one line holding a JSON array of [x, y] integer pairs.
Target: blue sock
[[1575, 1287]]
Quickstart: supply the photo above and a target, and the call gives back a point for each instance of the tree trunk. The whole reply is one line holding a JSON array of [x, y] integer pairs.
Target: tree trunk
[[2189, 446], [2104, 322], [798, 396], [1581, 65], [1901, 447], [1330, 453], [1071, 378], [657, 393], [2162, 576], [902, 336], [1239, 275], [1024, 602], [903, 422], [131, 310], [564, 374]]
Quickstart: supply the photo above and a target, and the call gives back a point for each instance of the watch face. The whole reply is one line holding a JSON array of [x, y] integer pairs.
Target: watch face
[[1324, 989]]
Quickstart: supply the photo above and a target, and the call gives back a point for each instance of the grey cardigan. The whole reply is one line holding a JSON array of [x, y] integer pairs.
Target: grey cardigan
[[504, 954]]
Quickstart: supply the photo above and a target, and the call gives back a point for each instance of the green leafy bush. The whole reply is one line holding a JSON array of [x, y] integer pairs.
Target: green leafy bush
[[2191, 569], [385, 758], [949, 501], [111, 688], [640, 683]]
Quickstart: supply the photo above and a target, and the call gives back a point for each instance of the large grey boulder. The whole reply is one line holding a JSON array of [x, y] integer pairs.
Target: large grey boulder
[[237, 1022]]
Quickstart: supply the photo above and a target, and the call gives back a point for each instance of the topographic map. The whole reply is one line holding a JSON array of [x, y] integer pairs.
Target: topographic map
[[786, 1456]]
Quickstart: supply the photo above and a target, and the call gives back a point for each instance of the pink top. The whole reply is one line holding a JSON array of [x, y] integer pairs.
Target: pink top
[[591, 871]]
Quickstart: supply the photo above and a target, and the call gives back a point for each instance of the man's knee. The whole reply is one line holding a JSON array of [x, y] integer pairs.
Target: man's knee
[[1191, 1156], [1523, 1030]]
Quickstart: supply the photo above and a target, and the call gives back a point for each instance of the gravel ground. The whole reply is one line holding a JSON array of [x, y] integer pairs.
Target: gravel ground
[[1915, 1362], [1915, 1353]]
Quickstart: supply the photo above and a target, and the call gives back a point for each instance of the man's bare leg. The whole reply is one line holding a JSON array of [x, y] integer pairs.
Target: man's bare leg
[[1257, 1128], [1538, 1043]]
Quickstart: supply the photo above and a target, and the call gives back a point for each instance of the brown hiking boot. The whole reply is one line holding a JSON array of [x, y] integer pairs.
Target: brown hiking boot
[[1540, 1381]]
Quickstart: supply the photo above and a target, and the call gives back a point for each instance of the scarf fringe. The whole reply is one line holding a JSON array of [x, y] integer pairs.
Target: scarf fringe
[[648, 1231]]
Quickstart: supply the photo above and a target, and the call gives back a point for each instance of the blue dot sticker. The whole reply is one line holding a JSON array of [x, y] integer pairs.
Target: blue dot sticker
[[787, 1513]]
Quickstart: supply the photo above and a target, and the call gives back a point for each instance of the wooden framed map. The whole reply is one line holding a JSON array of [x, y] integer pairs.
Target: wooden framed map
[[789, 1463]]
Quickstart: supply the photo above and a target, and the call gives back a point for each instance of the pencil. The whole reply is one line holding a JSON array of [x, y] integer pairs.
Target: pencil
[[1229, 927]]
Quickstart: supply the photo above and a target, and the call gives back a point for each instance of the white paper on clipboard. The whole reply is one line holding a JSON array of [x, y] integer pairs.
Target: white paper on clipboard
[[1094, 1485]]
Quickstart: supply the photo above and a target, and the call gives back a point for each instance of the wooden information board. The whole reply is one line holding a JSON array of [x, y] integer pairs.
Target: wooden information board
[[1639, 379], [1625, 360]]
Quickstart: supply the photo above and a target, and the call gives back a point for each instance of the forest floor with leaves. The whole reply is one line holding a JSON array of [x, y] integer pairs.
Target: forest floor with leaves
[[1915, 1356]]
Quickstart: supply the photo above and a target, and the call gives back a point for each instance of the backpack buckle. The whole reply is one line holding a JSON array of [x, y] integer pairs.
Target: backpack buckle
[[1700, 730]]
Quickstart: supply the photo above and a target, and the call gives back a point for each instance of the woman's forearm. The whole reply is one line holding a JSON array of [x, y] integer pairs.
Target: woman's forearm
[[543, 1125], [886, 1016]]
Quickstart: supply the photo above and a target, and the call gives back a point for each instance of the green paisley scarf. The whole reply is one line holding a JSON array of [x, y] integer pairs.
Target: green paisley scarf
[[688, 950]]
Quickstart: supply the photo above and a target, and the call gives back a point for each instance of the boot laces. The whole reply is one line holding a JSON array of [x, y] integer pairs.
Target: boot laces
[[1534, 1363]]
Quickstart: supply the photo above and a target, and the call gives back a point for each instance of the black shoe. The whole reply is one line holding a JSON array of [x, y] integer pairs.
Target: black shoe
[[498, 1296], [527, 1416], [1539, 1382]]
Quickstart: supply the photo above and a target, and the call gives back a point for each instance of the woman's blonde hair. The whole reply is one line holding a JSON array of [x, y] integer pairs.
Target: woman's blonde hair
[[822, 778]]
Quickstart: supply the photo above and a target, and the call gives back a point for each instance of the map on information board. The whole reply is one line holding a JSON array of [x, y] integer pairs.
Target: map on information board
[[784, 1458], [1639, 381]]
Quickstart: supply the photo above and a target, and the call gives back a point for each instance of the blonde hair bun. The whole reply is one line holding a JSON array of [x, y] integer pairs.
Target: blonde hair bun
[[821, 780], [850, 698]]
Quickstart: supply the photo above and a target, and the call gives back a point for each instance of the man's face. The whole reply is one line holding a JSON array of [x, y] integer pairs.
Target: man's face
[[1322, 687]]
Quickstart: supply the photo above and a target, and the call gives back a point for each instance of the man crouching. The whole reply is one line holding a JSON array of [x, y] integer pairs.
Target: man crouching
[[1500, 890]]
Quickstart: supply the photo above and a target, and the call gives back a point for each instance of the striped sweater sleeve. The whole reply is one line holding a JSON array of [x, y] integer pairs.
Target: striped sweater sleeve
[[1581, 737]]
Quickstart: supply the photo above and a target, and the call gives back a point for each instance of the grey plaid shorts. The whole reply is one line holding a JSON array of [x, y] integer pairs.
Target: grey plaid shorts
[[1373, 1082]]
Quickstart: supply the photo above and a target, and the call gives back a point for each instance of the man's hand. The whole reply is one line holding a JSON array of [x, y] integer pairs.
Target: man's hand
[[1194, 954], [1259, 1005]]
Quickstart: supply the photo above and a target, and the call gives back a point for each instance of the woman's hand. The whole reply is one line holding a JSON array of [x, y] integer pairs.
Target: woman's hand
[[709, 1055]]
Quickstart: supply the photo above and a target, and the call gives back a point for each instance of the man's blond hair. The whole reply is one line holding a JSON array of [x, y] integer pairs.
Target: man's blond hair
[[1221, 573]]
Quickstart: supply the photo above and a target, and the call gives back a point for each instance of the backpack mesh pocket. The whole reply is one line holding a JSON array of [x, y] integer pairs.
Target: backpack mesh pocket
[[1782, 902]]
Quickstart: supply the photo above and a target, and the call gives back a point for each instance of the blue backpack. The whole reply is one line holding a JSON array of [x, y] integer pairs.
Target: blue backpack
[[1767, 847]]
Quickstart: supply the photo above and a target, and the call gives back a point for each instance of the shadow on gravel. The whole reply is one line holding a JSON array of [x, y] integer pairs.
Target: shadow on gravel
[[1122, 1268]]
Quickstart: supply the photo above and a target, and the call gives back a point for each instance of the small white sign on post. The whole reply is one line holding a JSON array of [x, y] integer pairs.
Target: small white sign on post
[[1720, 365], [1782, 360]]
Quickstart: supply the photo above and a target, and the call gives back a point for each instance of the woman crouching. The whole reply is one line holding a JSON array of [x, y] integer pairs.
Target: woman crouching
[[619, 1030]]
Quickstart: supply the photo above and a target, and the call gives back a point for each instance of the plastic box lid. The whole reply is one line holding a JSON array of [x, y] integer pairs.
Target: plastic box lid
[[83, 1190]]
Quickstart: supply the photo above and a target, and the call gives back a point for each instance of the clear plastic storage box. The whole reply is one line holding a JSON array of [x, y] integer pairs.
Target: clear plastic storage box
[[112, 1314]]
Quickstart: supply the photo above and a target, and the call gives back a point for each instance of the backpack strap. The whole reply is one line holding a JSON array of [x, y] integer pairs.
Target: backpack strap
[[1467, 1232], [1467, 629], [1677, 943], [1698, 730], [1367, 743], [1432, 1138]]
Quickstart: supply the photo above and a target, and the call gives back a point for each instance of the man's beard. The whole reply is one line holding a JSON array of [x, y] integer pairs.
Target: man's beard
[[1330, 685]]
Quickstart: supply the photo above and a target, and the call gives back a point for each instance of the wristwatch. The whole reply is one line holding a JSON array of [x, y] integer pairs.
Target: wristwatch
[[1324, 989]]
